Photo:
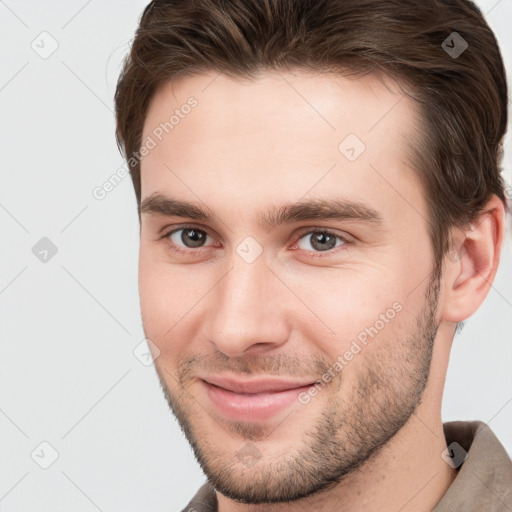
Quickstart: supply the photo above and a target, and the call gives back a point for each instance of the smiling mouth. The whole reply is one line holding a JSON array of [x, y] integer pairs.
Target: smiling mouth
[[254, 401]]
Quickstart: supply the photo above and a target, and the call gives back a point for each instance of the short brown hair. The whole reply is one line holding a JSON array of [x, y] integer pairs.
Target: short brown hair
[[462, 98]]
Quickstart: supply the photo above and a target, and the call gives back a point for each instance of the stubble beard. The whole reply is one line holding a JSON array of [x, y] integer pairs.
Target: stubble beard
[[350, 431]]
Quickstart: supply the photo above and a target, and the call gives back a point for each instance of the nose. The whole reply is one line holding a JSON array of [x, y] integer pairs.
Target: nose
[[247, 310]]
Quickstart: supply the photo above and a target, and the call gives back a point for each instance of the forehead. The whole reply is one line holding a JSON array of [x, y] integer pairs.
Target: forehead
[[281, 137], [330, 103]]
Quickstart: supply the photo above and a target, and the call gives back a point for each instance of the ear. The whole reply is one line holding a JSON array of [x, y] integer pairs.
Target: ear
[[472, 263]]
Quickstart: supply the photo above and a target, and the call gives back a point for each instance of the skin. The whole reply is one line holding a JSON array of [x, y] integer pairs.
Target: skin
[[372, 438]]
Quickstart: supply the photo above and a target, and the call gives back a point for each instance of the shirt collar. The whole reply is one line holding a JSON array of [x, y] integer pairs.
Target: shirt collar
[[484, 480]]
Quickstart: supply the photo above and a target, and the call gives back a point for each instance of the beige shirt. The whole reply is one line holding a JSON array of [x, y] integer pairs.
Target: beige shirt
[[483, 483]]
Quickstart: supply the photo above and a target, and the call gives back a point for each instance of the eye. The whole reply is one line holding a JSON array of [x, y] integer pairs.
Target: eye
[[320, 240], [187, 237], [190, 239]]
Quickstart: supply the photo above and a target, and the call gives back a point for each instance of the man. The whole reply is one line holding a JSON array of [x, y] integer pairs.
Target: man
[[321, 207]]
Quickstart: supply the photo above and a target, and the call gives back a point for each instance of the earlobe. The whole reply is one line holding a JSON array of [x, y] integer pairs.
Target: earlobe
[[471, 266]]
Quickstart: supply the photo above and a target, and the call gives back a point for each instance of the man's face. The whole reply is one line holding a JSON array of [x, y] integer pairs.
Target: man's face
[[270, 294]]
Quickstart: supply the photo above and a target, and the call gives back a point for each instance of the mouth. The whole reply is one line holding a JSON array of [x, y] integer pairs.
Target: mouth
[[252, 401]]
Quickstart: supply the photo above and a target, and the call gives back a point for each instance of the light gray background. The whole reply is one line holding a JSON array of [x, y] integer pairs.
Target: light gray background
[[68, 374]]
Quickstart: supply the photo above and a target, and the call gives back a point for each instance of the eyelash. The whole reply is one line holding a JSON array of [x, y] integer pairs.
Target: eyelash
[[316, 254]]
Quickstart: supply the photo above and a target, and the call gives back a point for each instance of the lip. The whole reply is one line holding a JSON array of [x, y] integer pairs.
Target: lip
[[261, 385], [254, 400]]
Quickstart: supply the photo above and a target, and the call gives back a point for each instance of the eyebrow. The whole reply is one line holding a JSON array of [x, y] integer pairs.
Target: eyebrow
[[312, 209]]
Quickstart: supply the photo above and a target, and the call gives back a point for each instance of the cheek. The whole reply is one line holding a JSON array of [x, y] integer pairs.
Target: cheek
[[171, 298], [163, 299], [355, 309]]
